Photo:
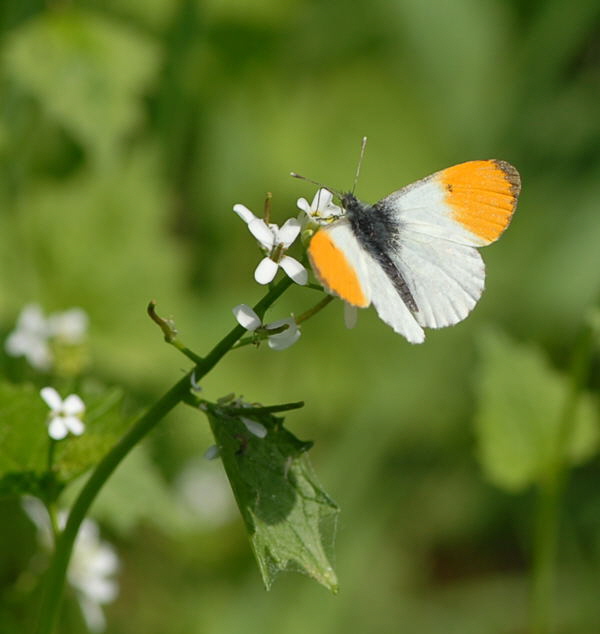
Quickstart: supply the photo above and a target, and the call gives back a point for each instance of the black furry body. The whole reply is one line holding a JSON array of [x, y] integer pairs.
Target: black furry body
[[377, 233]]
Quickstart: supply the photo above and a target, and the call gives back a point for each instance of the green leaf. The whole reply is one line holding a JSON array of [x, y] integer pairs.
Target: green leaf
[[87, 72], [24, 440], [290, 520], [520, 411]]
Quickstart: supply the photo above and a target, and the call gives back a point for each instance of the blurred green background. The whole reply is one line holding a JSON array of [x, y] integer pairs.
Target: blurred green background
[[129, 129]]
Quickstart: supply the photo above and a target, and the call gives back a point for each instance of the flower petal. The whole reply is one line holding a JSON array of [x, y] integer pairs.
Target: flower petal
[[303, 205], [30, 345], [70, 325], [74, 425], [57, 428], [259, 229], [246, 317], [38, 354], [287, 338], [92, 613], [294, 269], [73, 405], [288, 232], [255, 428], [32, 320], [265, 271], [244, 213], [52, 398], [350, 315], [322, 199]]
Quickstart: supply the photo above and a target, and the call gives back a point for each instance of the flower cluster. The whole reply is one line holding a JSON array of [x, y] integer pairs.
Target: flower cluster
[[35, 332], [274, 242], [93, 565]]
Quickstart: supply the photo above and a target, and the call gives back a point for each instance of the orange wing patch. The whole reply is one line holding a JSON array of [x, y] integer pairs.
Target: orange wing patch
[[483, 196], [334, 270]]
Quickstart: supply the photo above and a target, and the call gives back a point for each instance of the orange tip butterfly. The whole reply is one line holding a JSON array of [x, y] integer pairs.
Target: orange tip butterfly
[[413, 254]]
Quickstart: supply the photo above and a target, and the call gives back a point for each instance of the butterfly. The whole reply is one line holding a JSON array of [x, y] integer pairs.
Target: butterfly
[[414, 254]]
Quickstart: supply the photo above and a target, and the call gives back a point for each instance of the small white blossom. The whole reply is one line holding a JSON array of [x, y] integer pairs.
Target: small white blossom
[[91, 571], [322, 210], [69, 326], [34, 331], [275, 242], [247, 318], [30, 338], [93, 565], [65, 416]]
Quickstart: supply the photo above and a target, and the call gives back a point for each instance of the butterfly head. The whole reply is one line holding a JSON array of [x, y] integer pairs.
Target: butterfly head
[[351, 205]]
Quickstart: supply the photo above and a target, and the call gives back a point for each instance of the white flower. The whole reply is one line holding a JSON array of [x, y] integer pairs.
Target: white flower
[[32, 335], [275, 242], [69, 326], [30, 338], [65, 416], [93, 565], [322, 210], [247, 318]]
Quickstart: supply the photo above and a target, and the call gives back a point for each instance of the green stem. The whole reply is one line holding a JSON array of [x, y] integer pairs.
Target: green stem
[[315, 309], [544, 555], [53, 515], [551, 489], [50, 457], [55, 576]]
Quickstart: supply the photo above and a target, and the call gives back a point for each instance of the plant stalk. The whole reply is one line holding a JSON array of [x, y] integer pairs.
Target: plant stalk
[[56, 573]]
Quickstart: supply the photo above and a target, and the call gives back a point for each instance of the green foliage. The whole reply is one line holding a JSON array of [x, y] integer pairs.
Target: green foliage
[[127, 131], [136, 494], [87, 73], [290, 520], [25, 444], [522, 435], [23, 440]]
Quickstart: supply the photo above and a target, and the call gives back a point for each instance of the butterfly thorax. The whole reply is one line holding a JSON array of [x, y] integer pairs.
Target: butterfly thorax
[[377, 232], [371, 224]]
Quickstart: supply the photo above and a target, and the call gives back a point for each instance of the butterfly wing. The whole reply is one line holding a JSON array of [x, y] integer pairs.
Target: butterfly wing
[[348, 271], [441, 219]]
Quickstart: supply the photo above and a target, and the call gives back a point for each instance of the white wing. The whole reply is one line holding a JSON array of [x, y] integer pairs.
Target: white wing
[[390, 306], [441, 219], [347, 270], [445, 278]]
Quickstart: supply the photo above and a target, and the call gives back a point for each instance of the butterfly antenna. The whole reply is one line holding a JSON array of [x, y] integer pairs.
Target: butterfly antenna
[[310, 180], [363, 146]]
